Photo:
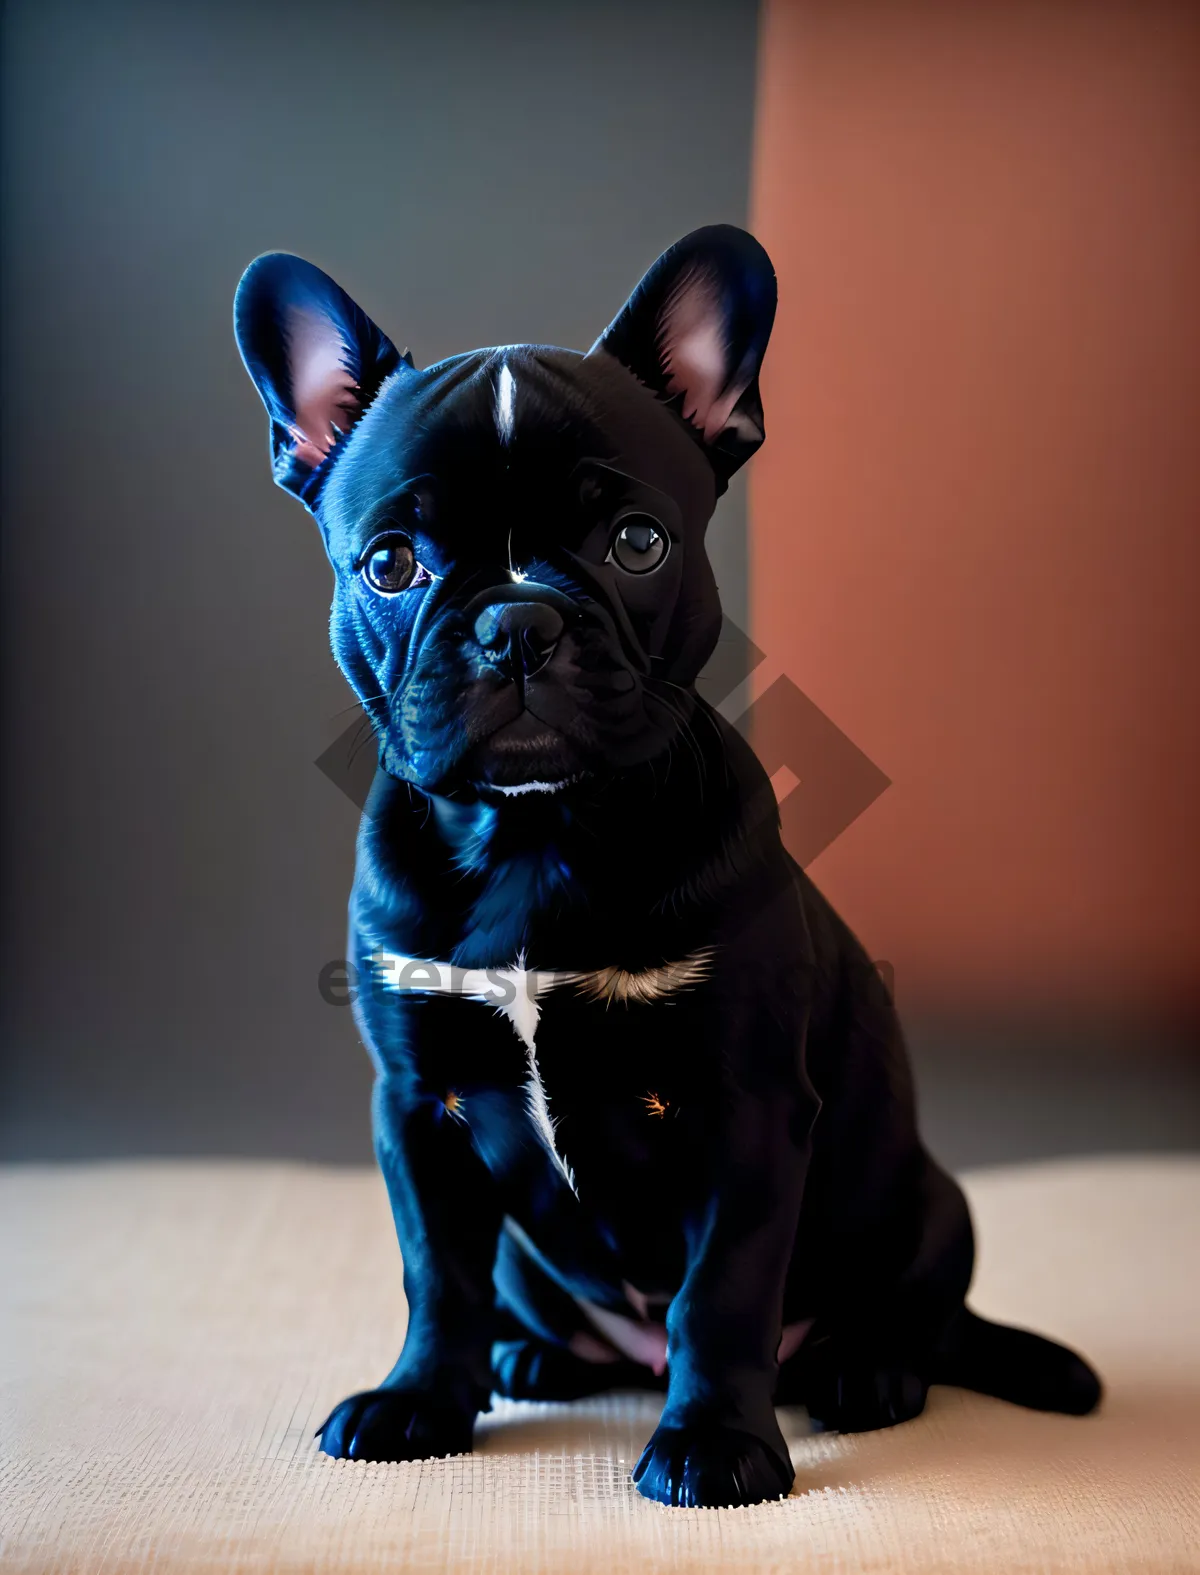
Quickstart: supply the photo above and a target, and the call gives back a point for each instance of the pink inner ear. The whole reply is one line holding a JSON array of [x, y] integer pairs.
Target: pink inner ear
[[324, 394], [691, 343]]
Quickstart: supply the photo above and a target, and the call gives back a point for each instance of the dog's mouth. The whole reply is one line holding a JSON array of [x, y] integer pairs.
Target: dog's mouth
[[466, 731], [520, 789], [523, 759]]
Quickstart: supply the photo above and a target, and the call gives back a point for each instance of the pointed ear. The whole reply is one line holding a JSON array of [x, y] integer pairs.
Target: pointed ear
[[316, 359], [695, 332]]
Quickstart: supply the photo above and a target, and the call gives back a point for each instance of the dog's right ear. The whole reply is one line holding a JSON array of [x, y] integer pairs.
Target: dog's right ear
[[695, 331], [316, 359]]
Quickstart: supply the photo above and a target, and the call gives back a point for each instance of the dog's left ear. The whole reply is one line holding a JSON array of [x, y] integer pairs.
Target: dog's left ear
[[695, 332], [316, 359]]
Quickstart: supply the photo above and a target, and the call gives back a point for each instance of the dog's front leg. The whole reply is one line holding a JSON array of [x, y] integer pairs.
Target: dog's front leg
[[448, 1224], [718, 1442]]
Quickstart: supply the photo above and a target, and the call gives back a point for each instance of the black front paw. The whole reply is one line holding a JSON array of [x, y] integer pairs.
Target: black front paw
[[395, 1424], [711, 1467]]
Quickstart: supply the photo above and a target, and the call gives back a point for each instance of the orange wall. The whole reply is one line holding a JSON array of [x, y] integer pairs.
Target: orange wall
[[976, 521]]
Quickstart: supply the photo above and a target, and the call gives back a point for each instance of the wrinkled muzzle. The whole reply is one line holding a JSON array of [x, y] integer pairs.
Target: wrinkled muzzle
[[522, 688]]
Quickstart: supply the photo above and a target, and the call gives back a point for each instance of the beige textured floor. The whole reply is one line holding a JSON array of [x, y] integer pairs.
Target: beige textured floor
[[173, 1333]]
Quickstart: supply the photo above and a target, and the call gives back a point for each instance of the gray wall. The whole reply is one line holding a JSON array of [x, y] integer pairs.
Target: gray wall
[[175, 866]]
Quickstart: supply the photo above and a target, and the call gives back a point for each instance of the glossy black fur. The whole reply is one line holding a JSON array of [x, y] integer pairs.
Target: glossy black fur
[[744, 1149]]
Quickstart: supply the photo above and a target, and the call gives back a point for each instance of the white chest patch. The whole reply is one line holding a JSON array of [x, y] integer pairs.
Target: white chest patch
[[515, 991]]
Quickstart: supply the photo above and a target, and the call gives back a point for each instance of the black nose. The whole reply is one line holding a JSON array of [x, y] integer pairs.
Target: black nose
[[519, 635]]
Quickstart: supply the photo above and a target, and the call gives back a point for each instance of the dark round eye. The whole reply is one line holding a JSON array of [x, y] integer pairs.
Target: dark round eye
[[640, 544], [391, 566]]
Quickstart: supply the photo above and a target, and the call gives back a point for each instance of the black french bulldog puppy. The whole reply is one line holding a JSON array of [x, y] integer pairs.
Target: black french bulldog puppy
[[643, 1107]]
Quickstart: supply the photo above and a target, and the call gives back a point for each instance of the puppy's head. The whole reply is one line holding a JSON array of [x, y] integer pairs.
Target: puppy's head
[[517, 534]]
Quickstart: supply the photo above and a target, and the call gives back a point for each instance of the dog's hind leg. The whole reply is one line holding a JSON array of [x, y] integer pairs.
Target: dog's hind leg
[[871, 1357], [857, 1372], [546, 1349], [531, 1369]]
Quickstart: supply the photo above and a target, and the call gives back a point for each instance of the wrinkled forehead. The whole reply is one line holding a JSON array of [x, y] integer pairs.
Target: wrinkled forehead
[[503, 431]]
